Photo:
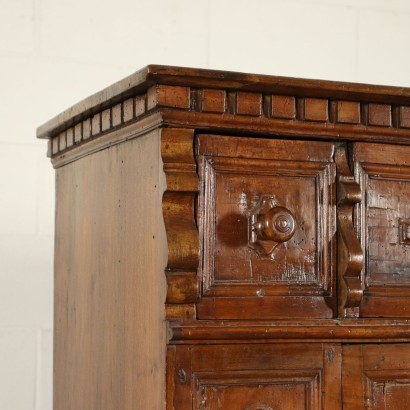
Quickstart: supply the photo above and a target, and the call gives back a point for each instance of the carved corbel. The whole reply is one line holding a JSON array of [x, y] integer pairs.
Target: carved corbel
[[178, 204], [350, 254]]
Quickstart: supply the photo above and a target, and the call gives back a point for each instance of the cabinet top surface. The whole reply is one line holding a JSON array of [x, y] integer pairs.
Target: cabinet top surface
[[150, 75]]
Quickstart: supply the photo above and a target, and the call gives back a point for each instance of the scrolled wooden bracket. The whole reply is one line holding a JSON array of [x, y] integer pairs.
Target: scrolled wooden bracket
[[179, 211], [350, 253]]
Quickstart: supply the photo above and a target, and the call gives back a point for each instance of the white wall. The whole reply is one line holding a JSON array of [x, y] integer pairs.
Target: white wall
[[56, 52]]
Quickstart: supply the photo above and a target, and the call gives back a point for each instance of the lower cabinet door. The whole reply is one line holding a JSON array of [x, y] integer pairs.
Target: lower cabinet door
[[254, 377], [376, 377]]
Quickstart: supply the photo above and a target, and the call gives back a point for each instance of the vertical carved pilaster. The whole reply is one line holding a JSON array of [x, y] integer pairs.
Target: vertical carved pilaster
[[179, 203], [350, 254]]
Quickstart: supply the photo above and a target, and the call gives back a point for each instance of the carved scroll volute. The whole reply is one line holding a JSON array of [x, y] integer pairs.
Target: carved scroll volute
[[350, 254]]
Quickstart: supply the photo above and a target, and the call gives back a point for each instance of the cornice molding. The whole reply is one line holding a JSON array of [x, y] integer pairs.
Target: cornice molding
[[221, 108]]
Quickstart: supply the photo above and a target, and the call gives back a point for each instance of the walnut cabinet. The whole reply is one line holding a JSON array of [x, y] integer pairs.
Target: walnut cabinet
[[232, 241]]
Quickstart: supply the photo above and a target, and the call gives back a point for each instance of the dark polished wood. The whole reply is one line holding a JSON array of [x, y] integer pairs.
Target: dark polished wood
[[232, 241], [350, 254], [342, 330], [376, 376], [384, 175], [259, 376], [243, 178]]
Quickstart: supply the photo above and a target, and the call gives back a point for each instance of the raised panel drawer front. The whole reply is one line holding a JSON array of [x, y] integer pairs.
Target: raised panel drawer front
[[255, 377], [267, 228], [383, 172], [376, 377]]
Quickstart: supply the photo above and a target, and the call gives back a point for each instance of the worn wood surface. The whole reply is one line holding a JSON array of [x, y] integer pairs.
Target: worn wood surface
[[266, 126], [243, 276], [215, 235], [179, 210], [349, 252], [376, 377], [225, 100], [289, 376], [211, 79], [348, 112], [384, 174], [342, 330], [109, 280], [315, 109], [91, 145], [283, 106]]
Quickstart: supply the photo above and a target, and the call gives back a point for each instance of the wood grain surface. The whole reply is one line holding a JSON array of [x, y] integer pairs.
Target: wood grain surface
[[244, 280], [289, 376], [376, 377], [189, 77], [232, 241], [383, 172], [109, 280]]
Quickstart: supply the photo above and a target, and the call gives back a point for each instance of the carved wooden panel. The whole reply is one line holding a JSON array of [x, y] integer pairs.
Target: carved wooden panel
[[384, 174], [249, 249], [206, 99], [349, 251], [254, 377], [252, 390], [376, 377], [267, 225], [178, 204]]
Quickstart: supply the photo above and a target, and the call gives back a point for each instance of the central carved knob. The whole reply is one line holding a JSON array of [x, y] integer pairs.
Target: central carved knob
[[277, 224], [282, 224]]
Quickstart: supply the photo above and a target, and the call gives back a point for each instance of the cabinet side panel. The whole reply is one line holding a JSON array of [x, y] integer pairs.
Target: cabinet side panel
[[109, 350]]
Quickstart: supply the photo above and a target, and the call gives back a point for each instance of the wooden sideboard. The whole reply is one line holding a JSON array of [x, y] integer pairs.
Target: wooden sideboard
[[232, 241]]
